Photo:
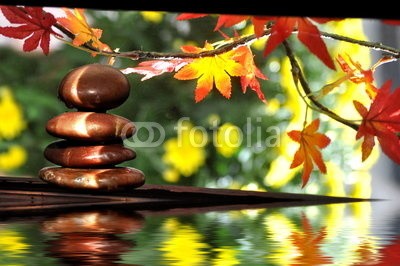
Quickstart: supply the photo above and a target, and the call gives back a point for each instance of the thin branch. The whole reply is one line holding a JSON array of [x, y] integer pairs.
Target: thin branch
[[222, 49], [139, 54], [372, 45], [64, 30], [298, 74]]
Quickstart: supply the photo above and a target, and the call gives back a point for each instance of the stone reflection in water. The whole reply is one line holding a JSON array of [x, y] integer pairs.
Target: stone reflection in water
[[92, 237]]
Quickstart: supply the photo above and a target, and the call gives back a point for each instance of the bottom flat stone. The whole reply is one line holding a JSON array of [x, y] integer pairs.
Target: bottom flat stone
[[115, 178]]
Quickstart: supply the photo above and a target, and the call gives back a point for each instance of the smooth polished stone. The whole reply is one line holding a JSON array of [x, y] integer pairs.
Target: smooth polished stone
[[110, 179], [72, 154], [94, 87], [90, 126]]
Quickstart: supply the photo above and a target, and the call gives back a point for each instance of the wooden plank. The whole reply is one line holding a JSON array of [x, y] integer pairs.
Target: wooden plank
[[27, 195]]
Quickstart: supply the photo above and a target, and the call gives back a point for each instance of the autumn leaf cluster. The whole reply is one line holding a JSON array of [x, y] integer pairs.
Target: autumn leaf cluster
[[216, 65]]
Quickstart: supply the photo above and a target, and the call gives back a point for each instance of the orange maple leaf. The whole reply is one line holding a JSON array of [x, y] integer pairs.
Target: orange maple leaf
[[76, 23], [382, 120], [309, 151], [208, 70], [359, 75], [365, 254], [309, 243], [356, 74], [308, 34], [245, 57]]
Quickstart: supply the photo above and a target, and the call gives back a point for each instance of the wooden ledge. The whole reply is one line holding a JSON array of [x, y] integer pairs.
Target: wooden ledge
[[26, 195]]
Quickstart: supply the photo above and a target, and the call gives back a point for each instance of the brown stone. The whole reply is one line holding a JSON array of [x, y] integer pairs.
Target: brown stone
[[94, 87], [96, 222], [88, 249], [111, 179], [90, 126], [73, 154]]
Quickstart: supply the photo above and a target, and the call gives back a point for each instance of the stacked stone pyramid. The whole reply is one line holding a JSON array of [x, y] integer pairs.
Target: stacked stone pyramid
[[91, 140]]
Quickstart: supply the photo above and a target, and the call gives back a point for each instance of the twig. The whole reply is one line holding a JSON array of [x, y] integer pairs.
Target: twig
[[298, 74], [139, 54], [372, 45]]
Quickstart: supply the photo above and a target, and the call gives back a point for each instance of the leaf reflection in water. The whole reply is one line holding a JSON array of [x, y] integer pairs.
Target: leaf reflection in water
[[332, 234], [308, 242], [12, 244]]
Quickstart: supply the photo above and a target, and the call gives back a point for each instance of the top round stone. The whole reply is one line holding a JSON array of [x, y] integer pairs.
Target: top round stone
[[94, 87]]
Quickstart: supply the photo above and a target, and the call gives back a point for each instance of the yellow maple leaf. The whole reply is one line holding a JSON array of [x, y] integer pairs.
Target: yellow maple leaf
[[76, 23], [208, 70]]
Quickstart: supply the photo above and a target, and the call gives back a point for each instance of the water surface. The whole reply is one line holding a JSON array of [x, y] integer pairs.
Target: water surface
[[333, 234]]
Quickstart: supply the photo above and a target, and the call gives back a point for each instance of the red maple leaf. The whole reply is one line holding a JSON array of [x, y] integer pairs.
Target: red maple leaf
[[283, 27], [393, 22], [228, 21], [382, 121], [308, 34], [185, 16], [390, 254], [309, 151], [34, 26], [231, 20]]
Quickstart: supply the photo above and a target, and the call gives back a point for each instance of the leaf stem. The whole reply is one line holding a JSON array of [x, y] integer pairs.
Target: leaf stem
[[298, 75]]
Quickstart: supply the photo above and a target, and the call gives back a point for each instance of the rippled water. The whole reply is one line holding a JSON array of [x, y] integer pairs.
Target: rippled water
[[336, 234]]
